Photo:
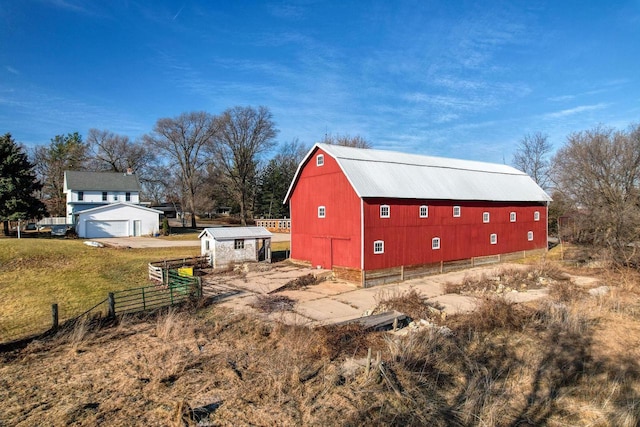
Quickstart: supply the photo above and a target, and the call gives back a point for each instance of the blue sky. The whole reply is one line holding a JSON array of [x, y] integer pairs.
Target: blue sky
[[443, 78]]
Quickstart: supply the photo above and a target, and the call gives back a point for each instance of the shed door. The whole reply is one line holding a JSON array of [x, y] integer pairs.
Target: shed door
[[113, 228], [321, 256]]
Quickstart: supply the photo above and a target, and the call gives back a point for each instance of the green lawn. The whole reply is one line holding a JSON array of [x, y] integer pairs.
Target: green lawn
[[35, 273]]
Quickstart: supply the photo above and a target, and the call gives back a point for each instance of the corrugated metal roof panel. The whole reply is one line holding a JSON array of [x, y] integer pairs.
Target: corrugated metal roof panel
[[229, 233], [379, 173]]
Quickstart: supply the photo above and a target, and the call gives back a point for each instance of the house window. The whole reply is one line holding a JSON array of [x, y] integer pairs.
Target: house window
[[104, 196], [238, 244], [435, 243], [80, 195], [456, 211], [485, 217], [384, 211], [320, 160], [530, 236], [321, 211], [424, 211], [512, 217], [536, 216], [494, 239], [378, 247], [127, 196]]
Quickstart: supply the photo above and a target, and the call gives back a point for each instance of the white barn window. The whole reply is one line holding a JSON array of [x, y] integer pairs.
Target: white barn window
[[530, 236], [424, 211], [512, 217], [320, 160], [485, 217], [435, 243], [321, 211], [385, 211], [536, 216], [378, 247], [494, 239], [456, 211]]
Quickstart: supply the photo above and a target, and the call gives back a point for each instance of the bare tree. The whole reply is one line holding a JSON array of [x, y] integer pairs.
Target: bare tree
[[531, 157], [117, 153], [599, 171], [346, 141], [183, 140], [245, 134], [65, 152]]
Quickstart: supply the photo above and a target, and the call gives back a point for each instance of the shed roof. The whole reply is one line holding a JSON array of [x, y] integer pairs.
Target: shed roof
[[231, 233], [389, 174], [100, 181]]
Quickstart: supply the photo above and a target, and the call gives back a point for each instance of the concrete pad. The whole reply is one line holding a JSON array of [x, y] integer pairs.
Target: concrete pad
[[326, 309], [146, 242], [454, 303], [363, 301], [530, 295], [302, 295], [329, 287]]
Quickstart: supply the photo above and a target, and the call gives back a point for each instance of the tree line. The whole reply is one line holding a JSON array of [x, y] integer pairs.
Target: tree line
[[197, 160], [594, 180]]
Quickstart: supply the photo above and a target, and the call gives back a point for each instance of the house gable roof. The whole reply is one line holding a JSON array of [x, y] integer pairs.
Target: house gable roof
[[389, 174], [117, 205], [232, 233], [100, 181]]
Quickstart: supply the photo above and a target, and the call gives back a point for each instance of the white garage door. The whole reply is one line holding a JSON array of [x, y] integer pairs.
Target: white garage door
[[107, 229]]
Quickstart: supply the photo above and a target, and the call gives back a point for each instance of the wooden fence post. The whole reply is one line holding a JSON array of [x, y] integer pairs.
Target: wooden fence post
[[54, 317], [112, 305]]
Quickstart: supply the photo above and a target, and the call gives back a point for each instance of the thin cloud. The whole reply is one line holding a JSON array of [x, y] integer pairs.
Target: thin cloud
[[576, 110], [12, 70]]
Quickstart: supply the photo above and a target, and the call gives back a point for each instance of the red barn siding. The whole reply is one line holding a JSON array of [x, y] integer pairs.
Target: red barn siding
[[335, 239], [407, 237]]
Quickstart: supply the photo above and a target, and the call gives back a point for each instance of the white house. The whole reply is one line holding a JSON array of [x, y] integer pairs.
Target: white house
[[86, 190], [228, 245], [117, 220], [107, 204]]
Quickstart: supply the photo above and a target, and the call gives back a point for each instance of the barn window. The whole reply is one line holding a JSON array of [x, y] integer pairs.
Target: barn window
[[512, 217], [321, 211], [530, 235], [456, 211], [424, 211], [485, 216], [104, 196], [127, 196], [384, 211], [80, 195], [378, 247], [494, 239], [435, 243], [536, 216], [238, 244], [207, 245], [320, 160]]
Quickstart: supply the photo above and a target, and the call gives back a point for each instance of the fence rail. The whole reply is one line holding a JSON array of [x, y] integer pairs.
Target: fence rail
[[156, 268]]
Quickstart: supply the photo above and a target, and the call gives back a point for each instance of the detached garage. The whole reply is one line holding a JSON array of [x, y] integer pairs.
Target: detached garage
[[117, 220]]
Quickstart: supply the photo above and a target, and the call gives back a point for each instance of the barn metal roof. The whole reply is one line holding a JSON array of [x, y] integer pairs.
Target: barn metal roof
[[100, 181], [231, 233], [389, 174]]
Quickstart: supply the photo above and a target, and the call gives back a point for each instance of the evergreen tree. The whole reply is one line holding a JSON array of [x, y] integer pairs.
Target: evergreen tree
[[18, 184]]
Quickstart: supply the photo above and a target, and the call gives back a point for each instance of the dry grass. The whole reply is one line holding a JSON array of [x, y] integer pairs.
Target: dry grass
[[40, 272], [267, 303], [575, 362], [409, 302]]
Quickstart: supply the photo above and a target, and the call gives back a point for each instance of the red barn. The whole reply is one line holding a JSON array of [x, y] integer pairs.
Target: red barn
[[371, 213]]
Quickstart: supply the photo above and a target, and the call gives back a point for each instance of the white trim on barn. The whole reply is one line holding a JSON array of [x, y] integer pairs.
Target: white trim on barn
[[117, 220], [228, 245]]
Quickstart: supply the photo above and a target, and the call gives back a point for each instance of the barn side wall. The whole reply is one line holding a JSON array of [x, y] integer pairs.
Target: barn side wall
[[408, 238]]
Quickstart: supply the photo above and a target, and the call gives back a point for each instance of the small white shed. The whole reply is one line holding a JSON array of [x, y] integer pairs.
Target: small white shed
[[117, 220], [226, 245]]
